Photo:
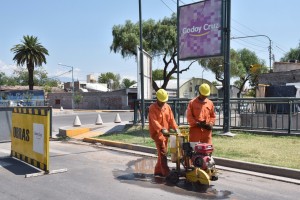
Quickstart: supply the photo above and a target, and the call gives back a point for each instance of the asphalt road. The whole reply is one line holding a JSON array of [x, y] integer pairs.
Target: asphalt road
[[67, 119], [94, 172]]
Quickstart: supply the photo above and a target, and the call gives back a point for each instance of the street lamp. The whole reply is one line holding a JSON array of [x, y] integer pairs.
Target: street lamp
[[72, 83], [202, 75], [270, 44]]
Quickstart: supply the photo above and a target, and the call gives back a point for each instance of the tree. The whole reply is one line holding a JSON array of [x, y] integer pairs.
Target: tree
[[215, 83], [293, 54], [158, 74], [77, 98], [7, 80], [215, 65], [159, 39], [3, 78], [108, 77], [31, 53], [240, 64], [126, 83], [40, 77], [250, 66]]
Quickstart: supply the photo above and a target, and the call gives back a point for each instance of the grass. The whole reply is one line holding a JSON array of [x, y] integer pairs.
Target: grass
[[281, 151]]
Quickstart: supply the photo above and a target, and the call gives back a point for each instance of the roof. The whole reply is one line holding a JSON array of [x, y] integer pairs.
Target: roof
[[21, 87]]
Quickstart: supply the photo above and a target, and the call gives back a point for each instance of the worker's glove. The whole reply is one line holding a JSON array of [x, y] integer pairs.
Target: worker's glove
[[201, 124], [165, 132], [208, 126], [178, 131]]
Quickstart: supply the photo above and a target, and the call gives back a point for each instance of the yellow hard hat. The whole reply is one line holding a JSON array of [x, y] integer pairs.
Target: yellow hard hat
[[204, 89], [162, 95]]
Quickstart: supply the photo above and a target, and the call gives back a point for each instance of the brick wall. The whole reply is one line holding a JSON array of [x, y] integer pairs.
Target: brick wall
[[91, 100]]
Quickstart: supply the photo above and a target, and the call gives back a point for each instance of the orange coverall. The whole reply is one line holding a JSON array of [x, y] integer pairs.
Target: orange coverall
[[161, 118], [200, 111]]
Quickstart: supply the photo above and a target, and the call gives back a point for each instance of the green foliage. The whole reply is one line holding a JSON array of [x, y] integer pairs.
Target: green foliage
[[20, 77], [240, 67], [158, 74], [31, 53], [77, 98], [251, 93], [215, 83], [159, 39], [293, 54], [108, 77], [3, 78], [215, 65], [126, 83]]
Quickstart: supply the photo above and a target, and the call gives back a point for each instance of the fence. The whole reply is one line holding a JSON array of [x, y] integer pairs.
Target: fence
[[277, 114]]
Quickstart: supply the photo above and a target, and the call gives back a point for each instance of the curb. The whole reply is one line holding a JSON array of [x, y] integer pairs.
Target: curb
[[259, 168], [73, 131]]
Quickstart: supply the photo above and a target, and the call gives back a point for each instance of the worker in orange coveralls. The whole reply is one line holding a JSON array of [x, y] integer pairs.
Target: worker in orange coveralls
[[161, 120], [201, 116]]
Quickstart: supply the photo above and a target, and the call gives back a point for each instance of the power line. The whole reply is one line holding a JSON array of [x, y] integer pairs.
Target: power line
[[60, 74], [249, 47], [167, 6]]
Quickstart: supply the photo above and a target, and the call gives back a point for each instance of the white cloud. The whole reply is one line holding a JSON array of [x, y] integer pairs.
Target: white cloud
[[8, 69]]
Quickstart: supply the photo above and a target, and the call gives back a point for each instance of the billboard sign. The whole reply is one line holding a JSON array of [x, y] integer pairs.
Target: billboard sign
[[30, 136], [200, 30], [29, 97], [147, 68]]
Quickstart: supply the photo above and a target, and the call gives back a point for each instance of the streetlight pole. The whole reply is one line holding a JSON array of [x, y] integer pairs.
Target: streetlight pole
[[141, 66], [202, 75], [270, 44], [72, 83]]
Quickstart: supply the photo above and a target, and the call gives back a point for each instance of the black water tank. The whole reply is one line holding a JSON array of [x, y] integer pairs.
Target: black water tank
[[281, 91]]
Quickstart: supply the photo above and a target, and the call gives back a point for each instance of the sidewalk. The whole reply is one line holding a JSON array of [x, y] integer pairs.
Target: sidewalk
[[56, 111], [91, 130]]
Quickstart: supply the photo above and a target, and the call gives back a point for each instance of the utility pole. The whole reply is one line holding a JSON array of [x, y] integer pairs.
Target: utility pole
[[226, 101], [269, 48], [141, 66], [72, 83]]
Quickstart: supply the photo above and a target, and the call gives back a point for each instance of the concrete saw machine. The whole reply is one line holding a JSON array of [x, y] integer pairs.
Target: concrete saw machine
[[193, 160]]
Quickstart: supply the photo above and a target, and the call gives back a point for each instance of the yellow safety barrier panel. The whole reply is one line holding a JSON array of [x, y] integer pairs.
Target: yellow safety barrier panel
[[30, 136]]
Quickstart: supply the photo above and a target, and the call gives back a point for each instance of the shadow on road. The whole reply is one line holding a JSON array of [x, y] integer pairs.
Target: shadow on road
[[17, 167]]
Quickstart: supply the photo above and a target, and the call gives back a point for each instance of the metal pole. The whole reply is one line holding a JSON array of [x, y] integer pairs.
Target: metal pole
[[72, 82], [72, 89], [177, 115], [141, 66], [226, 125], [269, 48]]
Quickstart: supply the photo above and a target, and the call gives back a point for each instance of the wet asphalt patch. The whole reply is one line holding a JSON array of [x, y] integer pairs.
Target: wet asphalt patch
[[140, 172]]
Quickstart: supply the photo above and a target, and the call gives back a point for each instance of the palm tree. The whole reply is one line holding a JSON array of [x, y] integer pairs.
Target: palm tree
[[32, 53]]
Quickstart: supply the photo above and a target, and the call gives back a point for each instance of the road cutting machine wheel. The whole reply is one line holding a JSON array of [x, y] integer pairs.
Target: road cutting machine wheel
[[198, 175]]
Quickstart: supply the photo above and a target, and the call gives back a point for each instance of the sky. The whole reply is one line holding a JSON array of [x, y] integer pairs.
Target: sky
[[78, 32]]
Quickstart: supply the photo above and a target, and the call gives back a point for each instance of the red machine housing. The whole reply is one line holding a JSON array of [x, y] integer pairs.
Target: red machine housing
[[201, 157], [204, 148]]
